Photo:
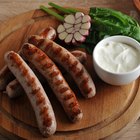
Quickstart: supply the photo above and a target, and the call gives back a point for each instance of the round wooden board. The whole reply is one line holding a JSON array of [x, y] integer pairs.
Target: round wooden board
[[110, 110]]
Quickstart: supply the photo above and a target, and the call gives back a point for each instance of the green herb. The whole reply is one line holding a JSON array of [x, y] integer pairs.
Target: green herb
[[59, 8], [114, 22], [108, 22], [51, 12], [62, 9]]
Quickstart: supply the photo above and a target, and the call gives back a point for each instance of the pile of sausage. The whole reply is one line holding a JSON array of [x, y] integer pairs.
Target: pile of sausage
[[40, 55]]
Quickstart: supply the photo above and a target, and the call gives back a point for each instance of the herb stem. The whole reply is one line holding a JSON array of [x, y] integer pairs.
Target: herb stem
[[51, 12], [62, 9]]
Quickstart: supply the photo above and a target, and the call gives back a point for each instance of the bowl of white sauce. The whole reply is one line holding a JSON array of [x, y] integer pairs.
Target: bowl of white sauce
[[116, 60]]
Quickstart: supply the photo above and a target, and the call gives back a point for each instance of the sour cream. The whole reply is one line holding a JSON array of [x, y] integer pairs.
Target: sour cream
[[117, 57]]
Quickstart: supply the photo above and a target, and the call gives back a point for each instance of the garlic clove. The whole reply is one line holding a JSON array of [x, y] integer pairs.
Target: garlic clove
[[84, 32], [79, 20], [79, 37], [77, 25], [68, 39], [86, 25], [60, 28], [70, 19], [67, 25], [79, 14], [86, 18], [70, 30], [62, 35]]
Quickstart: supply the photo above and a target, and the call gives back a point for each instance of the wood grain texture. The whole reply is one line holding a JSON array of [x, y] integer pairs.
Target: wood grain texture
[[31, 27]]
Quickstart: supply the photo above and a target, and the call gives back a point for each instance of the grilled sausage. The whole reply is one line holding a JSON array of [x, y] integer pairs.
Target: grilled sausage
[[55, 79], [72, 65], [14, 89], [35, 92], [5, 74]]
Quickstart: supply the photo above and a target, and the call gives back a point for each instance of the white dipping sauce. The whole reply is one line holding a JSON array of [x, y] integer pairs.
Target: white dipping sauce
[[117, 57]]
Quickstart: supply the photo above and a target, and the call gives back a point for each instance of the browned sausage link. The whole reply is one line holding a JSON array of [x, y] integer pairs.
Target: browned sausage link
[[49, 33], [72, 65], [55, 79], [34, 91]]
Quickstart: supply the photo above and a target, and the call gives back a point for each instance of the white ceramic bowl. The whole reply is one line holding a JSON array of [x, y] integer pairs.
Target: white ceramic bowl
[[112, 77]]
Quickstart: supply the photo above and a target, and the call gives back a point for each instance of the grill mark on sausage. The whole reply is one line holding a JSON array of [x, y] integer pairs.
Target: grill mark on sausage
[[53, 37], [17, 61], [76, 111], [54, 73], [67, 97], [71, 105], [47, 121], [24, 71], [73, 67], [34, 91], [45, 32], [85, 81], [64, 89], [43, 109], [65, 58], [35, 40], [40, 57], [30, 80], [87, 89], [58, 82], [79, 72], [48, 46], [47, 65], [56, 51], [40, 98], [30, 51]]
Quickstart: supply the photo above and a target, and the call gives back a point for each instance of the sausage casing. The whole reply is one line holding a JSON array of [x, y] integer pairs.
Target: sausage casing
[[63, 57], [35, 92], [55, 79]]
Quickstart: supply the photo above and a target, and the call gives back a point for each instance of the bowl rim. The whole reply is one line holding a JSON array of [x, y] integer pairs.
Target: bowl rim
[[116, 37]]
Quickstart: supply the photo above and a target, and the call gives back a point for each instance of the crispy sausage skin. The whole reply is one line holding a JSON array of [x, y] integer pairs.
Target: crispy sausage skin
[[55, 79], [72, 65], [35, 92]]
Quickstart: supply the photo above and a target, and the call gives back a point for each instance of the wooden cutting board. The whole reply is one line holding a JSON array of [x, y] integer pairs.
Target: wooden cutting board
[[113, 107]]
